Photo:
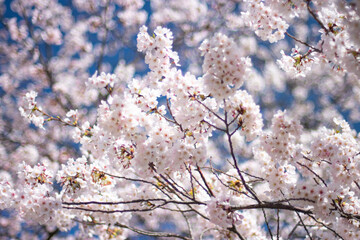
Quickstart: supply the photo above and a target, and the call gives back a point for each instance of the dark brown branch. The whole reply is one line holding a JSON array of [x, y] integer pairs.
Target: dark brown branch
[[321, 179], [294, 229], [294, 199], [235, 118], [303, 224], [175, 188], [197, 181], [237, 128], [172, 115], [267, 224], [231, 188], [246, 173], [315, 16], [271, 205], [235, 161], [207, 108], [327, 227], [151, 208], [304, 43], [139, 180], [212, 125], [176, 184], [234, 230], [53, 233], [277, 225], [153, 234], [204, 180], [133, 201]]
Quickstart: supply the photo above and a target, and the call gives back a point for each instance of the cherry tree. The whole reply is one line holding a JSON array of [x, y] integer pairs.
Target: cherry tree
[[179, 119]]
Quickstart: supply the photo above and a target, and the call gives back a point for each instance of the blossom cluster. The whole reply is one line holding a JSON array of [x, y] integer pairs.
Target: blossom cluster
[[296, 65], [103, 80], [268, 23], [159, 55], [30, 111], [225, 70], [281, 144], [220, 213], [248, 114]]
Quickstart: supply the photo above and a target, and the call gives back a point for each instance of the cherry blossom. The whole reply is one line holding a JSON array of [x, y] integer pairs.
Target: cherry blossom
[[201, 119]]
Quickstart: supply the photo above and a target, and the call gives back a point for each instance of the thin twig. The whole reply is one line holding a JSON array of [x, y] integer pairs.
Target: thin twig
[[172, 115], [267, 224], [315, 16], [139, 180], [317, 175], [304, 43], [197, 181], [278, 225], [293, 230], [212, 125], [204, 180], [234, 230], [303, 224], [235, 161], [215, 114]]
